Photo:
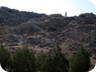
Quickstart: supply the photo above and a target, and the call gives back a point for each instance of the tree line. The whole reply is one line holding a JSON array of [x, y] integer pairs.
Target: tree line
[[25, 60]]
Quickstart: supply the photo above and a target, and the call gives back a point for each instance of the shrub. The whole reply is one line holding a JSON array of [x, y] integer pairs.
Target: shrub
[[55, 61], [24, 61], [5, 58], [80, 62], [40, 60]]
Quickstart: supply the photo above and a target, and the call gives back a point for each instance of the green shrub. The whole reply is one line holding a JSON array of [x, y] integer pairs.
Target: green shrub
[[40, 58], [55, 61], [80, 62], [5, 58], [24, 61]]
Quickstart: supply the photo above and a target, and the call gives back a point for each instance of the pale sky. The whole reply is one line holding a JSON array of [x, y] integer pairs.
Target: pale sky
[[72, 7]]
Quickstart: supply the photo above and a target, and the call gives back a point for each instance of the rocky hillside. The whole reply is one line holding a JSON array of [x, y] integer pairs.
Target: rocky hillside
[[43, 31], [12, 17]]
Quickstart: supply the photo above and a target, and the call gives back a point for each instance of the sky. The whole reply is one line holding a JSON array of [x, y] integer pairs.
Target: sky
[[72, 7]]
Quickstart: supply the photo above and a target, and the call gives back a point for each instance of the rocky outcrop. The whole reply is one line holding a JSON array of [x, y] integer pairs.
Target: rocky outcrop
[[12, 17], [45, 30]]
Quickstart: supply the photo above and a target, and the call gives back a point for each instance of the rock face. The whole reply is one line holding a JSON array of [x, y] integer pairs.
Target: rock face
[[11, 38], [12, 17], [45, 30], [27, 28]]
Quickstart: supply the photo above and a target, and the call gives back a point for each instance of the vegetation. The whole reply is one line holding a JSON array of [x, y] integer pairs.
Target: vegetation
[[55, 61], [80, 62], [40, 60], [5, 58], [24, 60]]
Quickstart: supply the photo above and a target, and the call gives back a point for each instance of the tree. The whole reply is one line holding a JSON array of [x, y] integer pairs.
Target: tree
[[80, 62], [55, 61], [24, 61], [5, 58]]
